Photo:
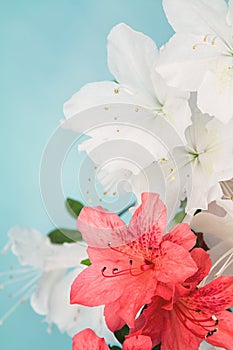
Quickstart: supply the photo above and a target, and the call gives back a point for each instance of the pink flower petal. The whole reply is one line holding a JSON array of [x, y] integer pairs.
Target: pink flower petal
[[224, 336], [87, 340], [175, 263], [137, 342], [100, 227], [91, 288], [182, 235], [149, 218], [216, 295], [203, 262]]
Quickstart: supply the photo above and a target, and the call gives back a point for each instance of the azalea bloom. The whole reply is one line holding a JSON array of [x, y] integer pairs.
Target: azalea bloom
[[216, 224], [47, 281], [210, 150], [194, 315], [87, 340], [124, 260], [199, 57], [131, 60]]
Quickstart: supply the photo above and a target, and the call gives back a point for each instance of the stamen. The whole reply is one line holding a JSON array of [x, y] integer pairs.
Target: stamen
[[214, 318], [211, 332], [13, 280], [12, 272], [15, 306], [213, 41], [31, 282], [117, 273], [202, 323]]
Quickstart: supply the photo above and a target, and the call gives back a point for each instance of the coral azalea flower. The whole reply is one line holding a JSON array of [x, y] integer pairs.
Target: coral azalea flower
[[129, 263], [196, 315]]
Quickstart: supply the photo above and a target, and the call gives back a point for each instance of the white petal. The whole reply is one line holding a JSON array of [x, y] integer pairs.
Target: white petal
[[96, 94], [40, 298], [73, 318], [213, 225], [174, 104], [184, 60], [65, 255], [130, 147], [217, 254], [131, 56], [216, 91], [230, 13], [227, 206], [197, 16], [30, 246]]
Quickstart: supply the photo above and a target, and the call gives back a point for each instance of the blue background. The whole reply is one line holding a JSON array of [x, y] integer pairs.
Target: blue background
[[49, 49]]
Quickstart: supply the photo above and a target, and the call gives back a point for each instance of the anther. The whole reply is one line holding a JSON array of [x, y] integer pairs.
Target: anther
[[213, 42], [214, 318], [211, 333]]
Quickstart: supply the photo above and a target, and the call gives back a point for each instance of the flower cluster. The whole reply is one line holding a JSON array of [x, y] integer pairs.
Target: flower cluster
[[162, 130], [151, 281]]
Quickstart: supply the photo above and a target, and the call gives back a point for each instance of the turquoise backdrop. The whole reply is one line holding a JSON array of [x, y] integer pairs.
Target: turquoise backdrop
[[49, 49]]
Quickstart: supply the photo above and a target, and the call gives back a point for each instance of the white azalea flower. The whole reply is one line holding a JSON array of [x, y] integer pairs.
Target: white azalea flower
[[131, 59], [217, 226], [199, 57], [47, 281], [210, 150]]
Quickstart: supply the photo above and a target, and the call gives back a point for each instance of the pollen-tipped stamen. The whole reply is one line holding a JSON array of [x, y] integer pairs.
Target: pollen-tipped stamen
[[198, 322]]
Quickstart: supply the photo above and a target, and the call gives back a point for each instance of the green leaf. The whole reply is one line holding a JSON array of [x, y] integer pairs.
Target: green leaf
[[157, 347], [64, 235], [86, 262], [74, 207], [179, 217], [114, 347], [121, 333]]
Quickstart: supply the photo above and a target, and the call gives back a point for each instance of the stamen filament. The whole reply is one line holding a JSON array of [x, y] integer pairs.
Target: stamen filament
[[31, 282], [19, 279], [16, 272], [14, 307]]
